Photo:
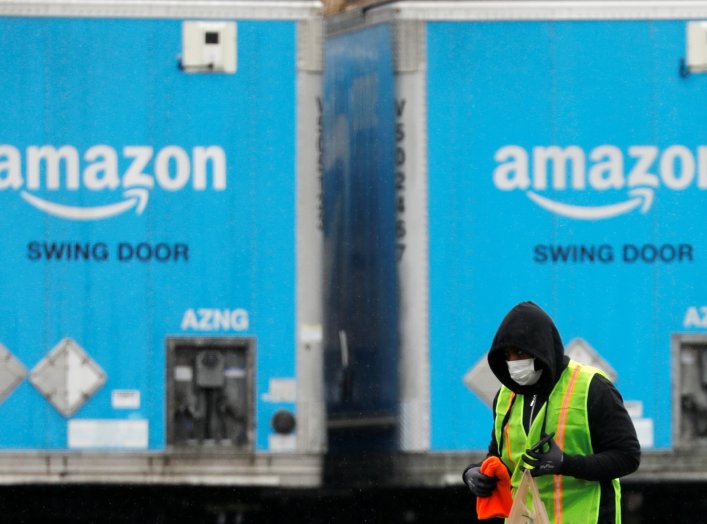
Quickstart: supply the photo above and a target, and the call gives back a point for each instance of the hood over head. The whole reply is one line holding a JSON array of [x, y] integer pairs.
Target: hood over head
[[528, 328]]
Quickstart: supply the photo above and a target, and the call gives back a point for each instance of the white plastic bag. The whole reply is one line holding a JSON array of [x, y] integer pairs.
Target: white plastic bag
[[520, 512]]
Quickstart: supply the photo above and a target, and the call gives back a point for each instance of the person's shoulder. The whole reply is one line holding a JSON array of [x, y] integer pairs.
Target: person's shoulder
[[596, 377], [602, 380], [603, 391]]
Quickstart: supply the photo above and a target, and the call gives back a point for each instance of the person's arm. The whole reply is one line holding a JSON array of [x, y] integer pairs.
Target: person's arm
[[492, 452], [482, 485], [617, 451], [493, 445]]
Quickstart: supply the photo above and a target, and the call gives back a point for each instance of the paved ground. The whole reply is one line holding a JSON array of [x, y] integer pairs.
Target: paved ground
[[643, 503]]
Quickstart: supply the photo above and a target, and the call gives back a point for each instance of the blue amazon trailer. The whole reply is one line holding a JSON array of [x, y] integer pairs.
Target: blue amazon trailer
[[159, 181], [552, 151]]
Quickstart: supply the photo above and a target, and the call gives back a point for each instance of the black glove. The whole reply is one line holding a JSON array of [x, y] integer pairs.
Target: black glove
[[480, 485], [545, 457]]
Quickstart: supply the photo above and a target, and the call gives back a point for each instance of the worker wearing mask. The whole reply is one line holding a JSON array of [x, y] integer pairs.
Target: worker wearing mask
[[564, 421]]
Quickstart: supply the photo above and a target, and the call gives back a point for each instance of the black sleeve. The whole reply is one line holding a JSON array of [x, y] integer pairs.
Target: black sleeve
[[493, 445], [617, 451]]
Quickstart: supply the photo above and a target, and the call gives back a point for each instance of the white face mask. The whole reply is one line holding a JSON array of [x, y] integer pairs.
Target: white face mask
[[523, 372]]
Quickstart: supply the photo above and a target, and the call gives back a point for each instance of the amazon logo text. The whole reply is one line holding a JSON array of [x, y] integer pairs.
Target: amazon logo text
[[135, 170], [639, 171]]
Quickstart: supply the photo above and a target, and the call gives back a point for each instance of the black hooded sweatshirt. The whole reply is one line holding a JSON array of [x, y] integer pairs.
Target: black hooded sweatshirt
[[616, 448]]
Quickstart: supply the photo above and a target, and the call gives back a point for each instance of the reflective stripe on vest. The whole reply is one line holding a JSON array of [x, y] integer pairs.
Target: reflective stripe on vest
[[566, 499]]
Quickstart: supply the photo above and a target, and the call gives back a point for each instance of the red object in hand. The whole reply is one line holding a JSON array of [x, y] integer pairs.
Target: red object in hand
[[501, 500]]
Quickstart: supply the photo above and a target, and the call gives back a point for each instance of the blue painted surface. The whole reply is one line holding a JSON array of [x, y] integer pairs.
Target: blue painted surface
[[115, 82], [538, 84]]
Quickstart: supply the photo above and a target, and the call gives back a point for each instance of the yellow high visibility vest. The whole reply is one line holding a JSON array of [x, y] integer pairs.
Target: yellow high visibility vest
[[568, 500]]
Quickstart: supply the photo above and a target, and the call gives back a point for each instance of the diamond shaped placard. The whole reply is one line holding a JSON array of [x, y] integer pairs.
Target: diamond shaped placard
[[481, 380], [12, 372], [581, 351], [67, 377]]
